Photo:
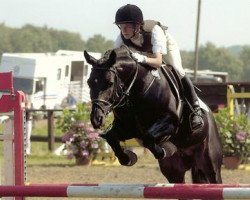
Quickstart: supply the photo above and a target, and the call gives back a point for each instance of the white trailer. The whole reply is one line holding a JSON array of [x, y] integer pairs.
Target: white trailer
[[47, 78]]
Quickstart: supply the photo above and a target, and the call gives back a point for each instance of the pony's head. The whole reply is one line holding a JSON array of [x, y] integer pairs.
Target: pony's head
[[106, 82]]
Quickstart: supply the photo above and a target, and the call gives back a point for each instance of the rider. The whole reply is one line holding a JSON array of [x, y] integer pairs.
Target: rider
[[156, 46]]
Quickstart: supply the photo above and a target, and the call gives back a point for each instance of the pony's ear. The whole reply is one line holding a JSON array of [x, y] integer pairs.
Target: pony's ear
[[90, 59], [112, 57]]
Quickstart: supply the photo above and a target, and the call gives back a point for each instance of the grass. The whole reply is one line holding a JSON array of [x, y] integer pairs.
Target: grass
[[40, 154]]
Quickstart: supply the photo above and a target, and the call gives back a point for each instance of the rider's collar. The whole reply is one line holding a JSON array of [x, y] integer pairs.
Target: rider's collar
[[137, 39]]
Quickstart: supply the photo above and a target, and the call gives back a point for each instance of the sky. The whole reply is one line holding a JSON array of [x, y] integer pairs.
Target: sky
[[222, 22]]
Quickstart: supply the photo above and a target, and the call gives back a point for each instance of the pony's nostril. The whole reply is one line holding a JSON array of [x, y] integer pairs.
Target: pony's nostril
[[100, 120]]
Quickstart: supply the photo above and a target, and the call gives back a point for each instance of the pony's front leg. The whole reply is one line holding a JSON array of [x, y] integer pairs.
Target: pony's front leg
[[125, 157]]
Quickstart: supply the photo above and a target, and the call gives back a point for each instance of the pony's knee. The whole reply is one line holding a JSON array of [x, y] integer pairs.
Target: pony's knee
[[162, 128], [109, 135]]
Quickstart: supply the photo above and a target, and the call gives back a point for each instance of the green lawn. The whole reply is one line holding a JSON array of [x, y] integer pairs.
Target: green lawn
[[39, 150]]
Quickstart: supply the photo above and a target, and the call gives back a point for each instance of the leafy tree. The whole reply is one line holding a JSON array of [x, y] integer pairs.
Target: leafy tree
[[66, 40], [220, 59], [5, 44], [245, 58], [98, 43], [187, 59], [30, 38]]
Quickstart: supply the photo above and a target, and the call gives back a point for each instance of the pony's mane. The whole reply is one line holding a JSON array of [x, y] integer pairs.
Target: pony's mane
[[122, 57]]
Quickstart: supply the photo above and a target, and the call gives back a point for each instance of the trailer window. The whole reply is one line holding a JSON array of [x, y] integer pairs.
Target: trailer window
[[23, 84], [66, 71], [59, 73], [39, 86]]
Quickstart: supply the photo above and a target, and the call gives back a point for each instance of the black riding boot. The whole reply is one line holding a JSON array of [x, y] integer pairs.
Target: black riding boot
[[158, 137], [196, 116]]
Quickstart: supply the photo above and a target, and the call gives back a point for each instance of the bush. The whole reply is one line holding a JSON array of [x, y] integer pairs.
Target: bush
[[80, 138], [235, 133]]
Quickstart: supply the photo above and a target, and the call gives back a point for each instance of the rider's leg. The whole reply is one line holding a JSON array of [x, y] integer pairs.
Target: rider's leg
[[196, 116], [157, 140], [173, 58]]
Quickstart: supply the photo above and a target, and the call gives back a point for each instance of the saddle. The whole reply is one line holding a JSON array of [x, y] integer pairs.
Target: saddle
[[174, 80]]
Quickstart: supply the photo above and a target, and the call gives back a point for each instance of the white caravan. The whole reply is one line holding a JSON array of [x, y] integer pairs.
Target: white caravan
[[47, 78]]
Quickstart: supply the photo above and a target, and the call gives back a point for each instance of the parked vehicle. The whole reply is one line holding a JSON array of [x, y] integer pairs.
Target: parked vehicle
[[48, 78]]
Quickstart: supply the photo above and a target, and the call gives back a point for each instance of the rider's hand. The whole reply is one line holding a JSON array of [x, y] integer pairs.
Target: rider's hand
[[139, 58]]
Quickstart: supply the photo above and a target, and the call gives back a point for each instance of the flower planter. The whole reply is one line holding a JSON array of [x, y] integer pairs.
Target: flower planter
[[83, 161], [231, 162]]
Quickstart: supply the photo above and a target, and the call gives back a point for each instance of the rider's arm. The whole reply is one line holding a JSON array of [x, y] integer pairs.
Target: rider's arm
[[159, 47], [154, 60]]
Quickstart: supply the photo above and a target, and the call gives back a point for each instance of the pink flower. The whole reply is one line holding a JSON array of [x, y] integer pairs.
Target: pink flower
[[93, 136], [89, 129], [67, 136], [80, 124], [94, 145], [83, 144], [70, 156], [241, 136], [85, 153]]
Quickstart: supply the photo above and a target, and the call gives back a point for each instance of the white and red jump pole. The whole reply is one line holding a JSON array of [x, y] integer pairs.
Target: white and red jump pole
[[13, 101], [128, 191]]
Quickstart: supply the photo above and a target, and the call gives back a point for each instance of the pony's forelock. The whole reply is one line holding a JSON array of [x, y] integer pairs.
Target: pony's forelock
[[123, 57]]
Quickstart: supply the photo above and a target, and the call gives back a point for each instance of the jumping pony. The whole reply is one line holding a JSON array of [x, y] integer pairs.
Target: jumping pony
[[146, 103]]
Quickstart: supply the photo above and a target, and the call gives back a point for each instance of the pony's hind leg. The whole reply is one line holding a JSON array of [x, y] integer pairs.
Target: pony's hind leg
[[173, 169], [198, 176], [205, 171]]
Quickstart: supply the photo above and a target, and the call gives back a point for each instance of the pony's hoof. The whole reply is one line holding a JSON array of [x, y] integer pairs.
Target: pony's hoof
[[132, 158], [169, 149]]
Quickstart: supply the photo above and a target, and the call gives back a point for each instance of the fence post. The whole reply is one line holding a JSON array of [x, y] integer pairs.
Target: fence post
[[51, 135]]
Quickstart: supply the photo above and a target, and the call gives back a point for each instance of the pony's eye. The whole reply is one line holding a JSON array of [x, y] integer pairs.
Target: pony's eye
[[110, 84], [91, 83]]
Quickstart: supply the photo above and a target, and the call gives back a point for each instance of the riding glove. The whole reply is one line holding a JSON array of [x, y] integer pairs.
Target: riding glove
[[139, 58]]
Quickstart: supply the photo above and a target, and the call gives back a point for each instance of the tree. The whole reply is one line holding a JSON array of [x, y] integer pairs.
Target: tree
[[98, 43], [66, 40], [31, 39], [245, 58], [187, 59], [220, 59], [5, 44], [34, 39]]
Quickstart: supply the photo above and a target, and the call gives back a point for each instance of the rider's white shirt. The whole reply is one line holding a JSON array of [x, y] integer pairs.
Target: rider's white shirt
[[162, 43]]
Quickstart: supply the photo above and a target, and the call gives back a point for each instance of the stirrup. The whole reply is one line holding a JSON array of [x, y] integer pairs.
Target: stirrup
[[196, 113]]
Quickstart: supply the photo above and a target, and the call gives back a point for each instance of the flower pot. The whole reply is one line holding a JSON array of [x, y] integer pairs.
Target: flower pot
[[83, 161], [231, 162]]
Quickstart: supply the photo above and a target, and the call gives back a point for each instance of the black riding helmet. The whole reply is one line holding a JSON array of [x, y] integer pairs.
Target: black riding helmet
[[129, 14]]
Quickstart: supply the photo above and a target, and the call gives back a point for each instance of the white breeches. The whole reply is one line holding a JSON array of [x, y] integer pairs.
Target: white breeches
[[173, 56]]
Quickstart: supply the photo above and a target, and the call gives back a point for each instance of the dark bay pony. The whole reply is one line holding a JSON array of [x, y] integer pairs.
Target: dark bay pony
[[139, 101]]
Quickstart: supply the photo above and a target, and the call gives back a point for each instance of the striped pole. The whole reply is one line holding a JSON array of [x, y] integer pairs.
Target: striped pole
[[171, 185], [127, 191]]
